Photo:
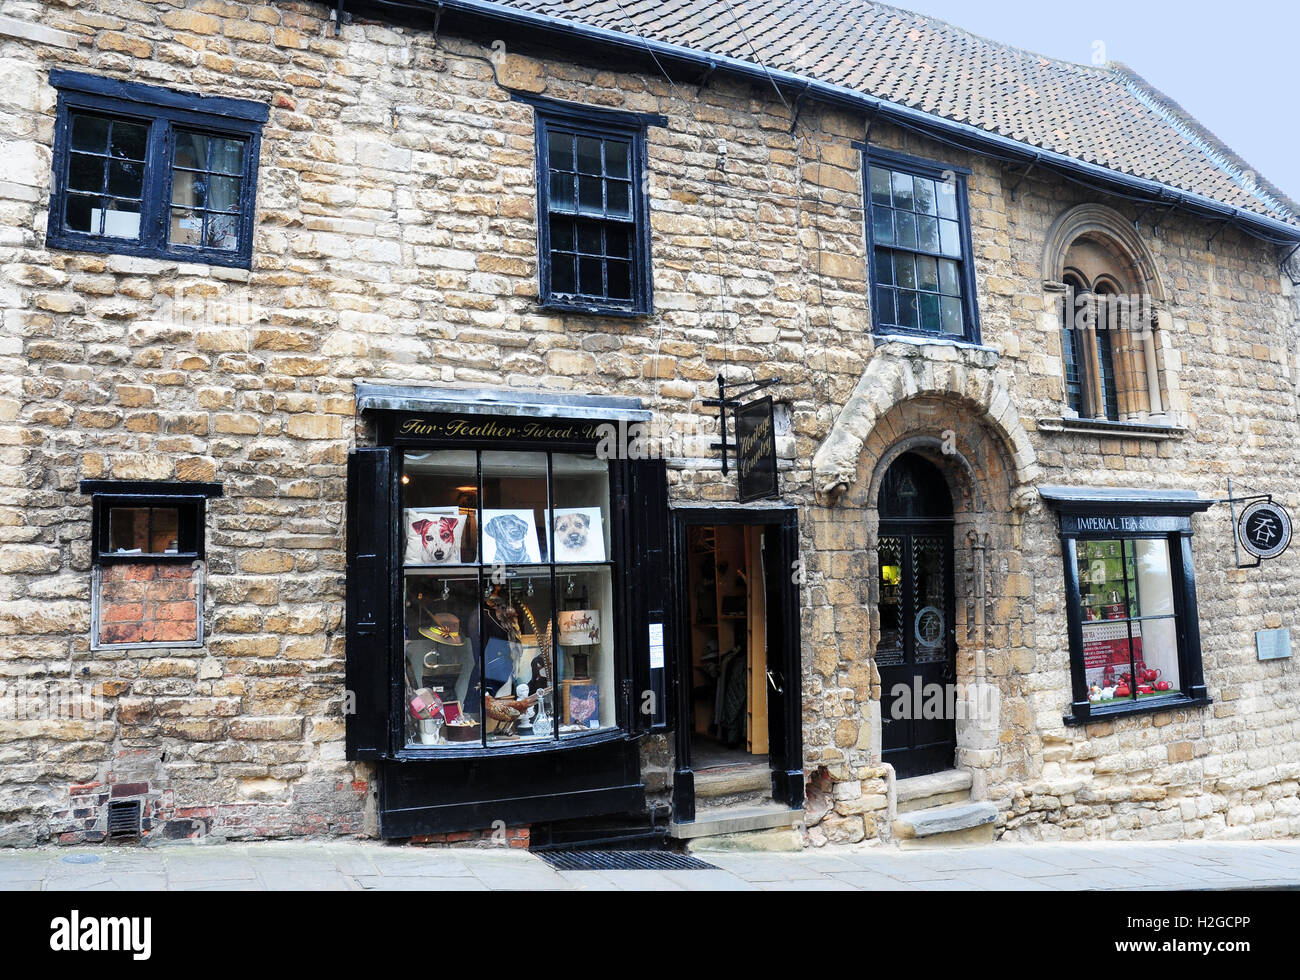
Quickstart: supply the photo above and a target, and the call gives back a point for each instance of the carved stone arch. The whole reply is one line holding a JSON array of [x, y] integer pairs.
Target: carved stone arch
[[899, 372], [1105, 225], [964, 485]]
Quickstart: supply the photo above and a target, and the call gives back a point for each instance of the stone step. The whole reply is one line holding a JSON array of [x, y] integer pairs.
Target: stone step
[[715, 821], [935, 789], [732, 781], [778, 839], [951, 823]]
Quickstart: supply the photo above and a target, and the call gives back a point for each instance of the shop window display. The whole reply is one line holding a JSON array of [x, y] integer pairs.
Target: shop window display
[[507, 597], [1126, 609]]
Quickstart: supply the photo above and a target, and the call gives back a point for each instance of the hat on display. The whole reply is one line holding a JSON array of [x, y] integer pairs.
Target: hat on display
[[445, 629]]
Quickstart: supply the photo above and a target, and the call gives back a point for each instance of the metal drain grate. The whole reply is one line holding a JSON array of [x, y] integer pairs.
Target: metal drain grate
[[623, 861], [124, 818]]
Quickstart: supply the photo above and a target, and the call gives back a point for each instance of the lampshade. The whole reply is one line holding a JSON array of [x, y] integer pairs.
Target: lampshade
[[579, 627]]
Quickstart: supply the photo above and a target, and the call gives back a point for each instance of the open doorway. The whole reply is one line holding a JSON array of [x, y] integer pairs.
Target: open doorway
[[728, 646], [738, 731]]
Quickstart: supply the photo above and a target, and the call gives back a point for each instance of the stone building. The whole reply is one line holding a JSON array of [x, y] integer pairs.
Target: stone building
[[320, 321]]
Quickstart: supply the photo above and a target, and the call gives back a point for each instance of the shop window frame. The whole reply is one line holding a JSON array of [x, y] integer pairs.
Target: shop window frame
[[1170, 523], [579, 120], [483, 572], [164, 112], [634, 497], [939, 172]]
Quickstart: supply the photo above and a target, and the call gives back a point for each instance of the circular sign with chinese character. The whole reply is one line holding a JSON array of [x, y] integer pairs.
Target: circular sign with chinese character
[[929, 627], [1264, 529]]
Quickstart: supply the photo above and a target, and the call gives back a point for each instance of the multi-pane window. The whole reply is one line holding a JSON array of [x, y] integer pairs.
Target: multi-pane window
[[149, 171], [920, 270], [508, 597], [1130, 598], [1128, 619], [593, 229], [207, 188], [1089, 315], [105, 176]]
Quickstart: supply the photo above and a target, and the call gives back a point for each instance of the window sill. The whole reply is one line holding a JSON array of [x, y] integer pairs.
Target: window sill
[[1157, 431], [928, 340], [1143, 707], [62, 241], [593, 309], [565, 744]]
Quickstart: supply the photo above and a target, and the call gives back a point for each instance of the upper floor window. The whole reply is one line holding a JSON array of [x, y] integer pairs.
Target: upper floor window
[[143, 170], [1107, 295], [921, 274], [593, 221], [1090, 314]]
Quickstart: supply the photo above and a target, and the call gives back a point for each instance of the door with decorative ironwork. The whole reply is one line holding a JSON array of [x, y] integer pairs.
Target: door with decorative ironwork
[[916, 655]]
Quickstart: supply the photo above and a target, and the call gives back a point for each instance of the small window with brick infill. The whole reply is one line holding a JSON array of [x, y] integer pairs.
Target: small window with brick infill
[[147, 549]]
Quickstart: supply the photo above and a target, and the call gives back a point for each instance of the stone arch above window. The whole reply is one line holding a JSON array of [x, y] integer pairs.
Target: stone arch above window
[[1101, 280]]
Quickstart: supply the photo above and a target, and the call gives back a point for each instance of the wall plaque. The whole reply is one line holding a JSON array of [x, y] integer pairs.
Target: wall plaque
[[1273, 644]]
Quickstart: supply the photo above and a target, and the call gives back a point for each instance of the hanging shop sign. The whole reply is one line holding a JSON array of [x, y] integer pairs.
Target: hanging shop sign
[[755, 444], [756, 450], [1262, 528]]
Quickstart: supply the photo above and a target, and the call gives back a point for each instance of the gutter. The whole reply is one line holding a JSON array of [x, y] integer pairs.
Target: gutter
[[858, 101]]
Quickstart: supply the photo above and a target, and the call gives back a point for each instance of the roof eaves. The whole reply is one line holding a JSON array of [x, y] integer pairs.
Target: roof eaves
[[1215, 150]]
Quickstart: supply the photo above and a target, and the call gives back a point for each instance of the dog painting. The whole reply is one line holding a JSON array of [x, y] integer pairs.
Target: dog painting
[[579, 535], [510, 538], [433, 535]]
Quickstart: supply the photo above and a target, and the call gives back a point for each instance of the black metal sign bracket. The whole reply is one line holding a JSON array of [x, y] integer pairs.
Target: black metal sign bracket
[[1232, 503], [723, 402]]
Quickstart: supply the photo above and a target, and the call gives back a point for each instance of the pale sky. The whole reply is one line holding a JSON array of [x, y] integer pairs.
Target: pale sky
[[1233, 66]]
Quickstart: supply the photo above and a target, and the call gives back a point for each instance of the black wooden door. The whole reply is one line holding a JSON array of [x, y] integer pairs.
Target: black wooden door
[[916, 656]]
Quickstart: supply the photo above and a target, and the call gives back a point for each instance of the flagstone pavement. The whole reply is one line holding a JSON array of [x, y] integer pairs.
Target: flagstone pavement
[[371, 865]]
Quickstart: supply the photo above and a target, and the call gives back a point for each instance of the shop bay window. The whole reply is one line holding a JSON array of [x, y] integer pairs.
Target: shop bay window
[[1128, 619], [507, 597], [1130, 599]]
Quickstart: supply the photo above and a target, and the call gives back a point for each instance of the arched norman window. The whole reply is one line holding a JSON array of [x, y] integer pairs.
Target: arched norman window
[[1089, 317], [1103, 278]]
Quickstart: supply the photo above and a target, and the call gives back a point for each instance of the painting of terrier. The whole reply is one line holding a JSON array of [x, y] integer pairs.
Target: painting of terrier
[[433, 535], [579, 535]]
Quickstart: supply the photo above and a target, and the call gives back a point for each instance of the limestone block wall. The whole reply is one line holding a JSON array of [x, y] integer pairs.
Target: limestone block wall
[[396, 242]]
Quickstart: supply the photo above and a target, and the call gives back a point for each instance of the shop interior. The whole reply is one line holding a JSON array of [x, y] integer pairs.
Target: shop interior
[[728, 646]]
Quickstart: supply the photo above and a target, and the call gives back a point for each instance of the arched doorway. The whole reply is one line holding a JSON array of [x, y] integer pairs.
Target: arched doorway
[[917, 652]]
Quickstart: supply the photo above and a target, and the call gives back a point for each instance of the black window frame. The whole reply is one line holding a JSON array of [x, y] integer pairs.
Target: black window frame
[[1168, 520], [547, 568], [941, 173], [579, 120], [638, 528], [164, 111], [188, 499]]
